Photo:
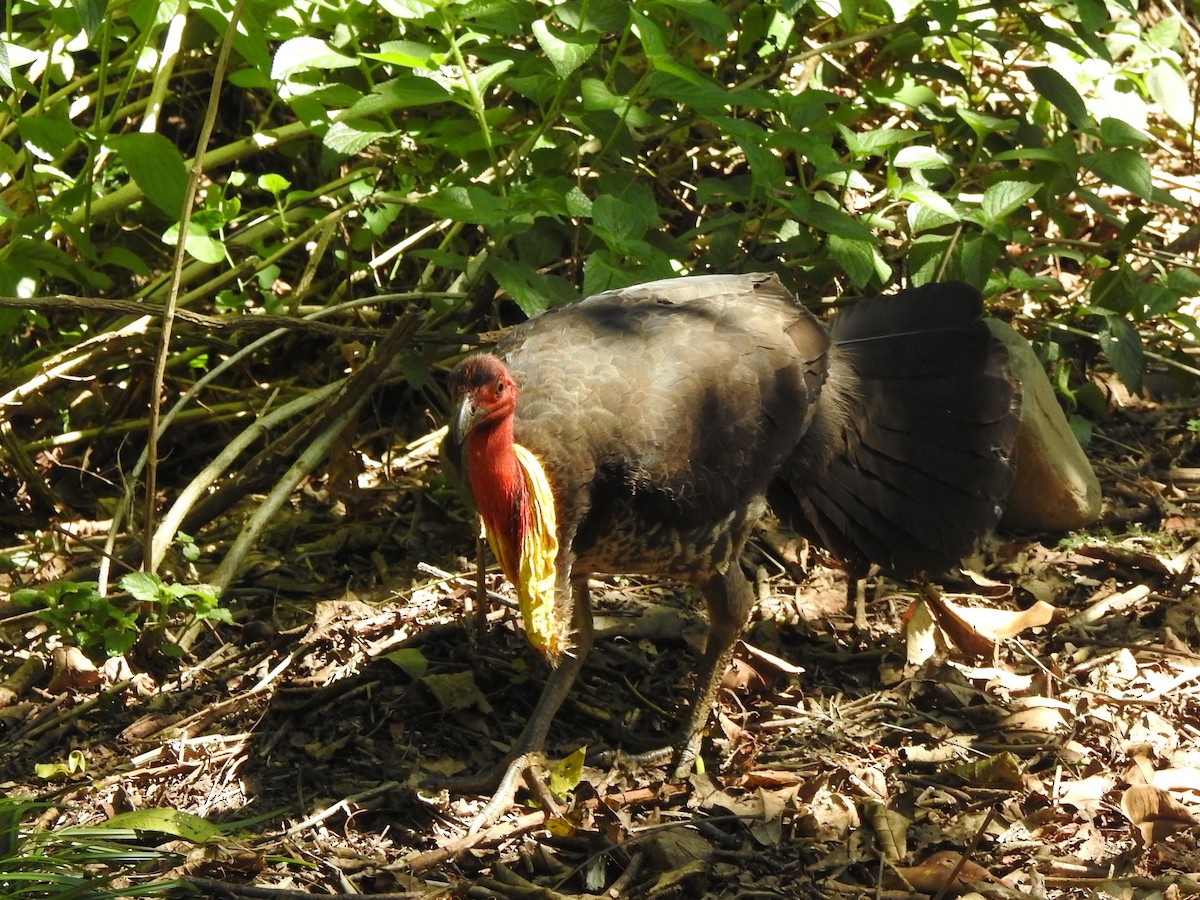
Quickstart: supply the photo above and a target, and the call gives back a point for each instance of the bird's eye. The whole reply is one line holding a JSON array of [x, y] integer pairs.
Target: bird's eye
[[499, 385]]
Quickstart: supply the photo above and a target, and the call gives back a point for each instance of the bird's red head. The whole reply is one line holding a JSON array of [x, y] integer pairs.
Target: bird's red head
[[483, 391]]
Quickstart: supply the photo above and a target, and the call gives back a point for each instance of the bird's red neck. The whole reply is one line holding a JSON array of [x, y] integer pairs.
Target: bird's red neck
[[500, 490]]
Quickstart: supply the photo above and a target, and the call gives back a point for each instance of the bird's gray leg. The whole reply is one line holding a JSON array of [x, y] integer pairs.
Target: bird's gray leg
[[730, 599], [558, 686]]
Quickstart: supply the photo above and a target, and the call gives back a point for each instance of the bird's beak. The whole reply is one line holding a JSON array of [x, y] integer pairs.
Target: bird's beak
[[465, 417]]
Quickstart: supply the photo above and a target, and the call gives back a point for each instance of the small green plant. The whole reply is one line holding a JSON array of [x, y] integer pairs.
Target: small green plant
[[109, 626], [82, 862]]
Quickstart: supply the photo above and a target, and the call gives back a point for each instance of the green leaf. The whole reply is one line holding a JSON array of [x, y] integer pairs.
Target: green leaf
[[578, 203], [6, 75], [410, 660], [753, 139], [679, 85], [976, 257], [273, 183], [168, 821], [920, 157], [710, 21], [565, 774], [46, 137], [157, 167], [1051, 85], [925, 256], [347, 137], [142, 586], [565, 52], [984, 125], [91, 15], [619, 221], [923, 197], [533, 292], [304, 53], [1166, 84], [1127, 168], [398, 93], [1123, 347], [466, 204], [858, 259], [874, 143], [654, 43], [198, 244], [826, 219], [1119, 133], [409, 54], [1005, 197]]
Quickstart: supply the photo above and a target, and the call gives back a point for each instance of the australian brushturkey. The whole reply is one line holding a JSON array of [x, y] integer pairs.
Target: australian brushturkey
[[666, 416]]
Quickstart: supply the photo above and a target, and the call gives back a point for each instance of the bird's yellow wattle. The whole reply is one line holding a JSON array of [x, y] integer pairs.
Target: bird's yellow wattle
[[535, 570]]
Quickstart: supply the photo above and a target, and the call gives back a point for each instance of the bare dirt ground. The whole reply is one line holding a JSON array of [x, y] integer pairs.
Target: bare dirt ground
[[1050, 750]]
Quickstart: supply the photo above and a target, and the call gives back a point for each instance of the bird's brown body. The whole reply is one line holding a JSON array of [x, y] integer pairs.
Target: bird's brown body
[[666, 416]]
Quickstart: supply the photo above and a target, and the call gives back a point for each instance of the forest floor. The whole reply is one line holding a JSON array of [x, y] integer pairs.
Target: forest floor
[[1053, 748]]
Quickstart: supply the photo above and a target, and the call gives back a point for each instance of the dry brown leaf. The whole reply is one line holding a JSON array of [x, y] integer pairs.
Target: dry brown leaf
[[1155, 813], [1086, 794], [976, 630], [920, 633], [72, 671], [1177, 779], [958, 628], [930, 876], [1035, 717], [890, 827], [996, 677]]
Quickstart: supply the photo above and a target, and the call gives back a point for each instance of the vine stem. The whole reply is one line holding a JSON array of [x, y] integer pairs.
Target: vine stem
[[164, 341]]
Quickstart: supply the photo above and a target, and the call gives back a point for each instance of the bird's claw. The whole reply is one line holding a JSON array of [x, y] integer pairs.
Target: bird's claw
[[504, 795], [681, 761], [504, 788]]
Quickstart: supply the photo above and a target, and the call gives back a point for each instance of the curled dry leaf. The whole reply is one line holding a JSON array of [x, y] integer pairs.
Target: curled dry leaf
[[1087, 794], [1155, 813], [72, 671], [976, 630], [931, 876], [1033, 718]]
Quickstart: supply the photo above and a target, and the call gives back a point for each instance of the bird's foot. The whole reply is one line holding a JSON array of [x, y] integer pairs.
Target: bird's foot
[[504, 781], [683, 761]]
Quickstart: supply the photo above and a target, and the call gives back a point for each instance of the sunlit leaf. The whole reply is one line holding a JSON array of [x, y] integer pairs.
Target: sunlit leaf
[[1004, 198], [919, 157], [1170, 90], [142, 586], [168, 821], [565, 52], [301, 54], [409, 54]]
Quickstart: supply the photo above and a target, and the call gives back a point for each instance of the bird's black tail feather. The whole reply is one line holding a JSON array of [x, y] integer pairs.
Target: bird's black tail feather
[[909, 455]]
